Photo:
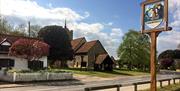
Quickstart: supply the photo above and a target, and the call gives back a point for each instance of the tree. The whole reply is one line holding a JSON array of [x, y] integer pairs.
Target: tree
[[167, 63], [166, 59], [57, 37], [176, 54], [29, 49], [5, 27], [34, 29], [134, 51], [166, 54], [19, 30]]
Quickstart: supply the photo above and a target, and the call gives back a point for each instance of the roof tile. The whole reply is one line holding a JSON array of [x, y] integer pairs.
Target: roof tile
[[76, 42], [87, 46]]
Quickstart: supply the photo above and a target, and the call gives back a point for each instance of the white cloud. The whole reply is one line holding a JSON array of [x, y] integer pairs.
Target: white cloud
[[50, 5], [86, 28], [110, 24], [170, 40], [21, 11], [30, 9], [87, 14], [116, 32], [110, 40], [174, 6]]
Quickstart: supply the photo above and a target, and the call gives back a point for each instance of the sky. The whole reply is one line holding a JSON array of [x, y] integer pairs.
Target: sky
[[104, 20]]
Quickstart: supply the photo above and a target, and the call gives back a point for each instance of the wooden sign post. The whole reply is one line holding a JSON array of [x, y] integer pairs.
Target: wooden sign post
[[154, 20]]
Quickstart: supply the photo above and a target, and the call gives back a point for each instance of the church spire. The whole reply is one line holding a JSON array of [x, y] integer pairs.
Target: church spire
[[65, 24]]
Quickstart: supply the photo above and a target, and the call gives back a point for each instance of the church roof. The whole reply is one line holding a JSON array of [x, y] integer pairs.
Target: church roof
[[101, 58], [87, 46], [76, 42]]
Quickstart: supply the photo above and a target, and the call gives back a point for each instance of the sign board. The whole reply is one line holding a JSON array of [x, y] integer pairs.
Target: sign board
[[154, 16], [154, 20]]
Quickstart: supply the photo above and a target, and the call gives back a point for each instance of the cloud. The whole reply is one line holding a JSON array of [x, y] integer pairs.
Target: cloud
[[116, 32], [88, 28], [110, 40], [21, 11], [110, 24], [171, 39], [30, 9], [174, 6]]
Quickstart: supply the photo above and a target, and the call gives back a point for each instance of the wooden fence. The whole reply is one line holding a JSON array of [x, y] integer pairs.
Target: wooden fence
[[118, 86]]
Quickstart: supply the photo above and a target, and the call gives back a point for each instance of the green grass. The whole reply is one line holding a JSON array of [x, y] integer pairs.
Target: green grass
[[175, 87], [114, 73]]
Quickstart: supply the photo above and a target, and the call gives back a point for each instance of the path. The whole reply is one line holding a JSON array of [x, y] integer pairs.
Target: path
[[79, 86]]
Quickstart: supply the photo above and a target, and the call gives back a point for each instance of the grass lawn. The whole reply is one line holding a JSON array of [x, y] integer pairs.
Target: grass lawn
[[175, 87], [114, 73]]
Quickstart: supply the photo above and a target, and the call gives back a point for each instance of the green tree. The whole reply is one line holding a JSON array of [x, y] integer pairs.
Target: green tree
[[19, 30], [34, 29], [167, 59], [59, 41], [134, 51], [5, 27]]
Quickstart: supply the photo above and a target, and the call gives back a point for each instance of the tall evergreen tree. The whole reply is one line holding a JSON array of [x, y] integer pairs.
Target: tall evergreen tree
[[60, 45]]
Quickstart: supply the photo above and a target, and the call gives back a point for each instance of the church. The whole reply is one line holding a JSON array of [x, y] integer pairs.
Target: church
[[89, 54]]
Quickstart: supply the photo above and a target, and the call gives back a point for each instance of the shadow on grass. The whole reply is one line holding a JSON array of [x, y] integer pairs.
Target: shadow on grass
[[45, 83], [57, 83], [117, 73], [177, 89], [85, 71]]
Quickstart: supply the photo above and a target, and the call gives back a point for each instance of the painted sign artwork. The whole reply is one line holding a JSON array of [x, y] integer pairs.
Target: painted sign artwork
[[154, 14]]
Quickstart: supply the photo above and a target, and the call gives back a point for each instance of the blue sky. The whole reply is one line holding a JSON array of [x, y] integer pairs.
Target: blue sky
[[104, 20], [122, 13]]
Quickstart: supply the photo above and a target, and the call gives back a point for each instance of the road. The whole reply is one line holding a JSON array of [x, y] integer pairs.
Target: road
[[76, 85]]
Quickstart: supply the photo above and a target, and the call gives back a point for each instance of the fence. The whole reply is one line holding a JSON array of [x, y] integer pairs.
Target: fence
[[118, 86]]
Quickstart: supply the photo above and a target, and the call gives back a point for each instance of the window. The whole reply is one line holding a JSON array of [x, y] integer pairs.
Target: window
[[83, 64], [77, 64], [35, 65], [4, 48], [6, 63]]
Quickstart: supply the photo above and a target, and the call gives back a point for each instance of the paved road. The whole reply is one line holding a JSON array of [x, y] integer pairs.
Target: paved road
[[78, 86]]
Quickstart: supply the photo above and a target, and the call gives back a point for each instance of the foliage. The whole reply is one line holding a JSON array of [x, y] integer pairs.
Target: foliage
[[166, 59], [34, 29], [134, 51], [166, 54], [19, 30], [176, 54], [166, 63], [5, 27], [29, 49], [57, 37]]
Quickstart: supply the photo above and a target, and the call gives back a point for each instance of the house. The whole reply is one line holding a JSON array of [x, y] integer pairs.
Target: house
[[90, 55], [9, 61]]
